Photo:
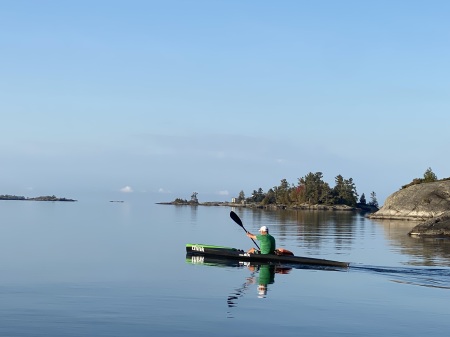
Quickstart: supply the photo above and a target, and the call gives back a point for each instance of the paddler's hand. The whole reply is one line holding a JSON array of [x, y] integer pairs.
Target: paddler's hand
[[251, 236]]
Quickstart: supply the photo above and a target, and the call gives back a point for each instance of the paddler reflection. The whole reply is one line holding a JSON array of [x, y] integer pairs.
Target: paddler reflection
[[266, 276], [262, 275]]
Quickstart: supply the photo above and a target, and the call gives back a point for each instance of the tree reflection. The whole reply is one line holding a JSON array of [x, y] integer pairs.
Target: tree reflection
[[318, 230]]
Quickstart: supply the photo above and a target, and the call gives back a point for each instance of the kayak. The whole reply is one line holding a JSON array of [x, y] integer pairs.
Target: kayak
[[228, 253]]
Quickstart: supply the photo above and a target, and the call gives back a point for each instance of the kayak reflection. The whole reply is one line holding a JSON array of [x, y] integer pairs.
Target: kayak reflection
[[262, 274]]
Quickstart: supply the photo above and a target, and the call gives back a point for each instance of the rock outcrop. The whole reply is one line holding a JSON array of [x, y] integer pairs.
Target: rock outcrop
[[436, 227], [417, 202], [427, 201]]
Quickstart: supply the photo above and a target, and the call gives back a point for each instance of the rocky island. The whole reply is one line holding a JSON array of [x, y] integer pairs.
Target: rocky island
[[305, 206], [310, 193], [424, 199], [428, 202]]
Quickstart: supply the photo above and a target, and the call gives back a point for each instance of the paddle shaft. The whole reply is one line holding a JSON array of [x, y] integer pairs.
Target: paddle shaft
[[236, 219]]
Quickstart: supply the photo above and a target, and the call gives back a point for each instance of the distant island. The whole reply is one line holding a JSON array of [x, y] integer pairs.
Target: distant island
[[358, 207], [424, 199], [310, 192], [41, 198], [249, 203]]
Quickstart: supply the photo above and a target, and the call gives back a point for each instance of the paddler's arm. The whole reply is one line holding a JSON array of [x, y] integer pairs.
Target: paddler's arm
[[251, 236]]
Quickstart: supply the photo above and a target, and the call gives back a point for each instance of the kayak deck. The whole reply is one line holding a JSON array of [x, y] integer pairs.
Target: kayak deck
[[238, 254]]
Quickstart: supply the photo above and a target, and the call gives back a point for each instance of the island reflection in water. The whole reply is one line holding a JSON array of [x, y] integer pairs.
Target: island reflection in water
[[428, 252], [314, 230]]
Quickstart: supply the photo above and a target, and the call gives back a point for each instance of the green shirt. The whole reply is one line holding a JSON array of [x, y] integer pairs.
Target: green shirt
[[267, 243], [266, 275]]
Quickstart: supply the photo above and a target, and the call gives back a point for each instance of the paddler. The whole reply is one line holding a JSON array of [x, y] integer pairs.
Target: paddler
[[267, 242]]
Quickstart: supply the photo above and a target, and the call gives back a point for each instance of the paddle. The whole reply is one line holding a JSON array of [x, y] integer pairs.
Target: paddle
[[236, 219]]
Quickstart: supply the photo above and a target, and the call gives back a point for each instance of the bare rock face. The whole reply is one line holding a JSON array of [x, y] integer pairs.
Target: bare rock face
[[436, 227], [416, 202]]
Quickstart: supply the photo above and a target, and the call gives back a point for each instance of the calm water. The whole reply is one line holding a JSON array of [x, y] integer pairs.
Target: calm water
[[119, 269]]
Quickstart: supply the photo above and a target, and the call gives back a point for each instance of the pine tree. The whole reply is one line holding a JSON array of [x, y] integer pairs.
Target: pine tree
[[241, 196], [312, 189], [344, 192], [362, 200], [194, 198], [373, 199], [429, 176]]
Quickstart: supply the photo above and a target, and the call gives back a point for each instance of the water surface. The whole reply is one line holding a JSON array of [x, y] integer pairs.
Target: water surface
[[120, 269]]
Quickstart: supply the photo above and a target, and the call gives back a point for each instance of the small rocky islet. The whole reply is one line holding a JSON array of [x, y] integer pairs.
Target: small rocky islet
[[428, 203]]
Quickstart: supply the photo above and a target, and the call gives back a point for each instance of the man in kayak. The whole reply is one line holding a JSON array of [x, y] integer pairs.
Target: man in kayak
[[266, 241]]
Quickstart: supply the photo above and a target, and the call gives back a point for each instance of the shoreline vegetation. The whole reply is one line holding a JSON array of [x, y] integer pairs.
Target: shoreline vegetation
[[41, 198], [316, 207], [310, 193]]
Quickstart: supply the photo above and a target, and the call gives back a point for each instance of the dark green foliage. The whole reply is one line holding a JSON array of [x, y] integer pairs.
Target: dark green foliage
[[313, 190], [269, 198], [46, 198], [344, 192], [11, 197], [362, 200], [241, 196], [257, 196], [373, 199], [42, 198], [194, 199], [282, 193], [428, 177]]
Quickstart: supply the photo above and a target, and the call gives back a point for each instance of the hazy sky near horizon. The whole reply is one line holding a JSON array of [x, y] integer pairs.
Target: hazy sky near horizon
[[219, 96]]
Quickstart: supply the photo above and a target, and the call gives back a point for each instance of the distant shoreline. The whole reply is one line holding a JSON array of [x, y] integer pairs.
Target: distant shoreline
[[363, 208], [41, 198]]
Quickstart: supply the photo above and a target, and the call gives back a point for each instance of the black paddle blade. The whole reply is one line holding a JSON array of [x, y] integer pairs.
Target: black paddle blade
[[236, 219]]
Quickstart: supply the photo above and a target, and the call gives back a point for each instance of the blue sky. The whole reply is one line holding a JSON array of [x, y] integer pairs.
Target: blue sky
[[163, 98]]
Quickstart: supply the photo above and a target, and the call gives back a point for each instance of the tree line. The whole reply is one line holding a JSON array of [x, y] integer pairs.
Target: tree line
[[41, 198], [193, 201], [311, 190]]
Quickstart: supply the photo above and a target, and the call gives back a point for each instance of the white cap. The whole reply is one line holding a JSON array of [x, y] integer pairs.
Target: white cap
[[262, 291], [264, 229]]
